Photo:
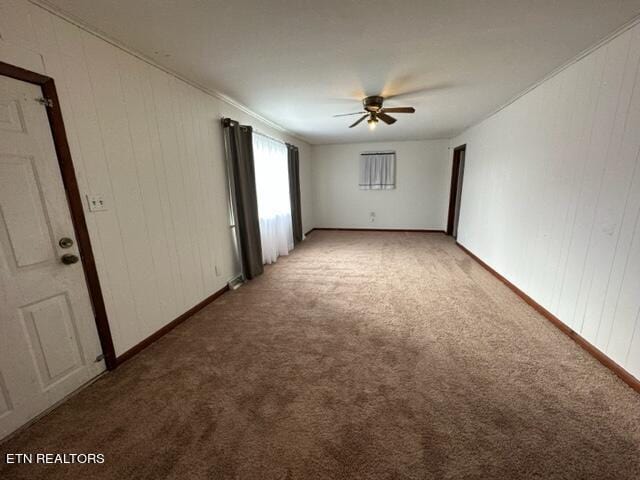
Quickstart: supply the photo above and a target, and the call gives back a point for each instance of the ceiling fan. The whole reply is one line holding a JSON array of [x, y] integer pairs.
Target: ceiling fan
[[374, 111]]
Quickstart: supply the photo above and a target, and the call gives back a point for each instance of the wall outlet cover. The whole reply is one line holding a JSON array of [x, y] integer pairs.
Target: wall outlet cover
[[96, 202]]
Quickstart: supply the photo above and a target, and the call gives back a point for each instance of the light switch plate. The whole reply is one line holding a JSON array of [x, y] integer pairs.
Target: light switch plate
[[96, 202]]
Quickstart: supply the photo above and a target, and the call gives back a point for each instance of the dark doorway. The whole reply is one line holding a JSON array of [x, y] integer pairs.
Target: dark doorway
[[457, 174]]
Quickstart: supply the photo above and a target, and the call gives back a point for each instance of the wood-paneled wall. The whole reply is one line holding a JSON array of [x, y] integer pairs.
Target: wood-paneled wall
[[551, 196], [152, 145]]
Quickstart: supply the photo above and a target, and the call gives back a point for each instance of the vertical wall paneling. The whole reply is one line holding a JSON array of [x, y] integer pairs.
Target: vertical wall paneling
[[126, 202], [152, 146], [142, 166], [552, 196], [613, 192]]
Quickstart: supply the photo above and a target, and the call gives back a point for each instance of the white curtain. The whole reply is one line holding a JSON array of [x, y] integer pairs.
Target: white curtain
[[274, 204], [378, 171]]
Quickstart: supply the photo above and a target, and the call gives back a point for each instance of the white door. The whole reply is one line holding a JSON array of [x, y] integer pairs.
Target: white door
[[48, 337]]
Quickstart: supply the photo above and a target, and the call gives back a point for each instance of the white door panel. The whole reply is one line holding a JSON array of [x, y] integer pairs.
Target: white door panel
[[48, 338]]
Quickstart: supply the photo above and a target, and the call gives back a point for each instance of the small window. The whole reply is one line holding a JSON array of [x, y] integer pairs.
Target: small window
[[378, 171]]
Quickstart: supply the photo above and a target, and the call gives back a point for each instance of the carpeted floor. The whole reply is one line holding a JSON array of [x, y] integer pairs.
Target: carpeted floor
[[359, 356]]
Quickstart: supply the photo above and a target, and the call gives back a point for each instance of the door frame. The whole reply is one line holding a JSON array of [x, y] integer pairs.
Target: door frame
[[74, 200], [453, 193]]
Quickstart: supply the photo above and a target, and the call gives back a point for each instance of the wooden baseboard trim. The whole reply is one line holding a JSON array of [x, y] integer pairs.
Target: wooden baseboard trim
[[417, 230], [625, 376], [168, 327], [309, 232]]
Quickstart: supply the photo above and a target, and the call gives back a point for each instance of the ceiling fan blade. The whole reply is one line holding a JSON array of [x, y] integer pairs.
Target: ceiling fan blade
[[398, 94], [357, 122], [347, 114], [386, 118], [399, 110]]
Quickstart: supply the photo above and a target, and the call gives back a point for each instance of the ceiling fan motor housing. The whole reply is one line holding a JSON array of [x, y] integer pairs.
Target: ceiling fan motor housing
[[372, 104]]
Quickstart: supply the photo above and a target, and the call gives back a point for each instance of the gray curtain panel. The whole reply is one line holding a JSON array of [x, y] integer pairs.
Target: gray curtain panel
[[239, 151], [294, 192]]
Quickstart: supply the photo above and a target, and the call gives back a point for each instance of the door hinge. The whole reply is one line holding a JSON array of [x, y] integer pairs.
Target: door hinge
[[99, 358], [47, 102]]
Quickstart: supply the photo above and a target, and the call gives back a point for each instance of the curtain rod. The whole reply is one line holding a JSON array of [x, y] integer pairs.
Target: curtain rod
[[268, 136], [226, 121], [379, 153], [257, 132]]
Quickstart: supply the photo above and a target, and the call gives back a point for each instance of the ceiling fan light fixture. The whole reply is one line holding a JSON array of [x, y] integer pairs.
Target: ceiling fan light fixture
[[373, 112], [372, 103]]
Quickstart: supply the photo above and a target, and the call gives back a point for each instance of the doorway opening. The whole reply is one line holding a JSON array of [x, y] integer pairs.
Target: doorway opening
[[457, 175], [54, 334], [74, 200]]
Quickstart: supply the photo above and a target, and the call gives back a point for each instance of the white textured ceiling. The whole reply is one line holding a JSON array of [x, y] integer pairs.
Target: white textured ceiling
[[298, 62]]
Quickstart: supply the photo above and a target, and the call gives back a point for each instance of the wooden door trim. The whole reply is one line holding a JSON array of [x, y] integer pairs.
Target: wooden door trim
[[453, 192], [74, 200]]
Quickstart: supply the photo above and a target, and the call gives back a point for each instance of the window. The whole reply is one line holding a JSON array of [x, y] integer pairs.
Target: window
[[272, 190], [378, 171]]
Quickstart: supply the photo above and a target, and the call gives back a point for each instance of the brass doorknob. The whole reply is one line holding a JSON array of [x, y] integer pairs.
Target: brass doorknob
[[69, 259]]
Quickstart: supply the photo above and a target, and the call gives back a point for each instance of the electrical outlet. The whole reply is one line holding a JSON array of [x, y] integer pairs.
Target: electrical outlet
[[372, 217], [96, 202]]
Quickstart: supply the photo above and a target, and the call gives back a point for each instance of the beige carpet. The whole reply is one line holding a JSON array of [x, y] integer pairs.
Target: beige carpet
[[359, 356]]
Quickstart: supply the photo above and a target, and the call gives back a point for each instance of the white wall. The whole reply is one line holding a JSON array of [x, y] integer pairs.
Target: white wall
[[420, 199], [551, 196], [152, 145]]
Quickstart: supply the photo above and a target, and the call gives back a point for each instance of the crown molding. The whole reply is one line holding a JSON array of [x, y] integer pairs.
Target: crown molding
[[616, 33], [46, 5], [54, 10]]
